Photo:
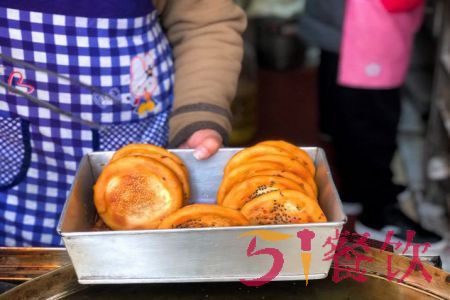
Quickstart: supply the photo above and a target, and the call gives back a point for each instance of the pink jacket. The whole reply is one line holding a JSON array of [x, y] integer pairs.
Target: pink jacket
[[377, 41]]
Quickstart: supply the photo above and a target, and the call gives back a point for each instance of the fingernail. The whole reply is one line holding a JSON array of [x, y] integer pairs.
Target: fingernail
[[200, 153]]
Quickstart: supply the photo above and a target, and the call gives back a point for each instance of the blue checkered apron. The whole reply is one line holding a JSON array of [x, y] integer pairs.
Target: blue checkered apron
[[127, 58]]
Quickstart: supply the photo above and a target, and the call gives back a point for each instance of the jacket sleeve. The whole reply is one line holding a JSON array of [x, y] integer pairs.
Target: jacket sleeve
[[206, 37]]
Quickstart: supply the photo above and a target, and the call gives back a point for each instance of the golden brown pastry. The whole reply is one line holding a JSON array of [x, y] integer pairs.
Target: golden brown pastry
[[167, 158], [255, 186], [283, 207], [136, 192], [294, 150], [204, 215]]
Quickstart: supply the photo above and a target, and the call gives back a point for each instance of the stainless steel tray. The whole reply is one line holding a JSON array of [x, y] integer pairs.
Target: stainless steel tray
[[189, 255]]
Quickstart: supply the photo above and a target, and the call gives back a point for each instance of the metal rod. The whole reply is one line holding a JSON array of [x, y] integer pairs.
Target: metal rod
[[49, 106], [69, 79]]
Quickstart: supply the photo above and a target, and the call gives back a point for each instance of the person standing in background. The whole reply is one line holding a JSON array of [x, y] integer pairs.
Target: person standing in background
[[365, 49]]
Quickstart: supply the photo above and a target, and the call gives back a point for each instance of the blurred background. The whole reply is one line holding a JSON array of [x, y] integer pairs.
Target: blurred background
[[278, 98]]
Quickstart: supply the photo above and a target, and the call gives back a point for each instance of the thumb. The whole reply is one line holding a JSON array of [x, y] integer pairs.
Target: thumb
[[205, 143], [207, 148]]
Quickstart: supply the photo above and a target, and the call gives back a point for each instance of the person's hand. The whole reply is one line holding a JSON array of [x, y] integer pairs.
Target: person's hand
[[205, 142]]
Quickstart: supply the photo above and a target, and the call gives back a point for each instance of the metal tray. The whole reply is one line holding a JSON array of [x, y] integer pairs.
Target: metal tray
[[189, 255]]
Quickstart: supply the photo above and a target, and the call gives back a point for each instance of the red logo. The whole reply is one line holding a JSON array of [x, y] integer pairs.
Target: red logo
[[29, 89], [348, 251]]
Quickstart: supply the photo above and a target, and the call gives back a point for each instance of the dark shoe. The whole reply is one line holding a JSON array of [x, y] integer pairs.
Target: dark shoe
[[394, 219]]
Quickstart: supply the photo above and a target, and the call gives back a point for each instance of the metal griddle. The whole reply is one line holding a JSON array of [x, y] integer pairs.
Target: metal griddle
[[63, 284]]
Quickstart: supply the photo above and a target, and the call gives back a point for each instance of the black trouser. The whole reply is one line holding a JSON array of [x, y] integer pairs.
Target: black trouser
[[363, 126]]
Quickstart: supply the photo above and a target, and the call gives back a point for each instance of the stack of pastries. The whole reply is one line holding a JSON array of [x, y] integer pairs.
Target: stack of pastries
[[147, 187], [140, 186], [271, 183]]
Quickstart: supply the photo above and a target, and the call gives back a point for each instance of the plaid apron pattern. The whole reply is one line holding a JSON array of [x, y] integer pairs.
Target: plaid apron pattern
[[129, 59]]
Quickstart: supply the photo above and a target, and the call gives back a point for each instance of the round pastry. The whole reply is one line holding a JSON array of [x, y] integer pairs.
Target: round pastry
[[299, 153], [283, 207], [137, 148], [203, 215], [240, 173], [136, 192], [256, 186], [311, 191], [169, 159], [247, 154], [290, 165]]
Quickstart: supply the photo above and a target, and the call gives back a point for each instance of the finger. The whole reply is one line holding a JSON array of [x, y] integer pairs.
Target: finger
[[197, 138], [207, 148]]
